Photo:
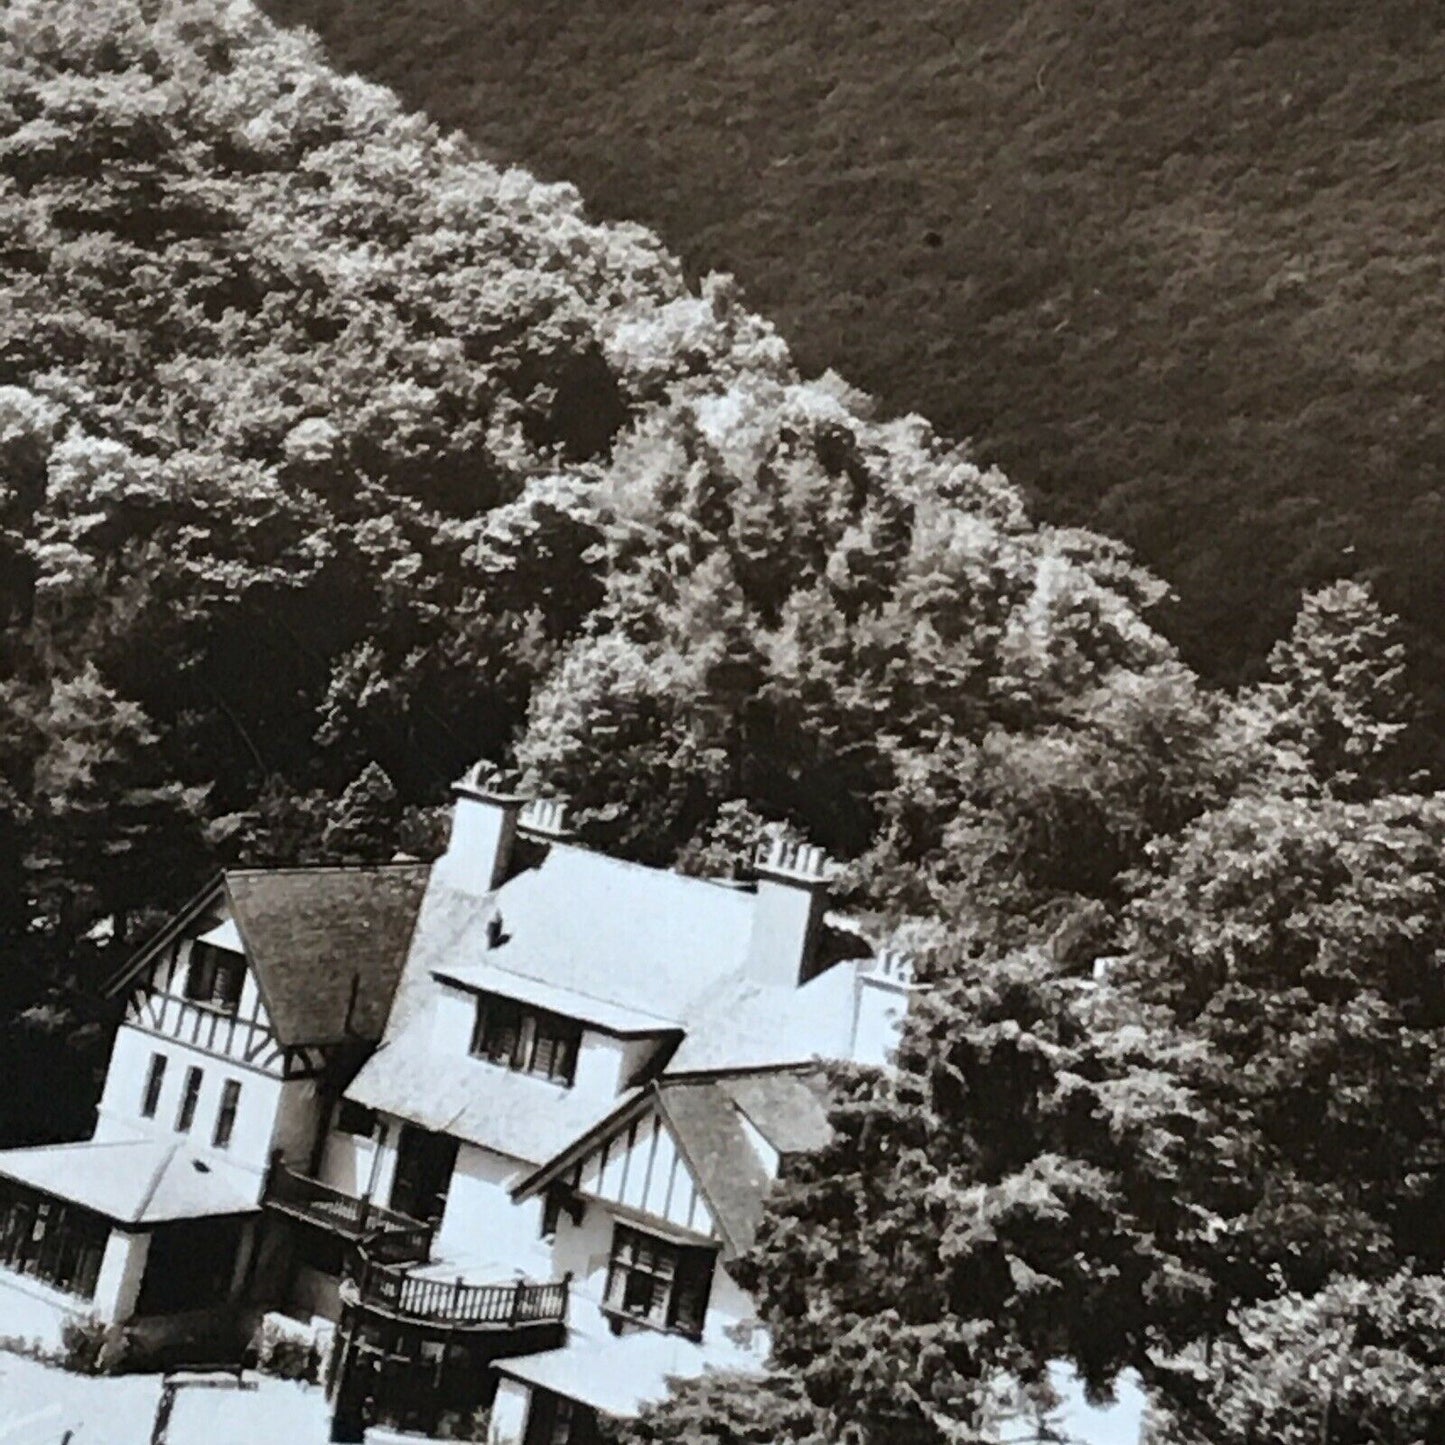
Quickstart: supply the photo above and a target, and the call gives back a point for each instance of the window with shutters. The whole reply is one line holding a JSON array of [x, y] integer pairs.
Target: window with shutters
[[657, 1282], [190, 1096], [226, 1114], [526, 1040], [151, 1098], [214, 977]]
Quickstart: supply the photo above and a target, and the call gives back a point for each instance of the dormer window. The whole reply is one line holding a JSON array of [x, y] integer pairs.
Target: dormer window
[[215, 976], [525, 1039]]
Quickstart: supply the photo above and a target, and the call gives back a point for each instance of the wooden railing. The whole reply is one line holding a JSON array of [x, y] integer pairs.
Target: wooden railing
[[390, 1235], [391, 1289]]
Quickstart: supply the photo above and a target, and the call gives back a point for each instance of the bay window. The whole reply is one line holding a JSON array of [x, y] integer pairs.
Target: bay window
[[657, 1282]]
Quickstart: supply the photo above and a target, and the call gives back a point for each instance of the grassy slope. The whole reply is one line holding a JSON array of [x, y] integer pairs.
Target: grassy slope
[[1176, 264]]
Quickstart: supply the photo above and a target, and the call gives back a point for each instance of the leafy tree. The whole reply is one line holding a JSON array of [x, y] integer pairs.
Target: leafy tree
[[1021, 1192], [1358, 1363], [1301, 937], [107, 821], [1337, 692], [720, 1408], [363, 828]]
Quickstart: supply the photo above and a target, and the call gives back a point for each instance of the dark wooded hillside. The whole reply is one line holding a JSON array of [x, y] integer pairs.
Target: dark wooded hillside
[[1174, 264]]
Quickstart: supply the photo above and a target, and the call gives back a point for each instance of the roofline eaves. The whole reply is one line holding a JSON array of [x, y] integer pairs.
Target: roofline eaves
[[178, 922]]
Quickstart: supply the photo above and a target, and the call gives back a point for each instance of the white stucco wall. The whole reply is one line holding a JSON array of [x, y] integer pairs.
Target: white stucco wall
[[878, 1024], [122, 1269], [601, 1062], [509, 1413], [481, 1222], [585, 1249], [271, 1113], [347, 1160], [297, 1121]]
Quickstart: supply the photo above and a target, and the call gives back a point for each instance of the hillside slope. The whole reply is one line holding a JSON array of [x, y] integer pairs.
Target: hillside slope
[[1176, 266]]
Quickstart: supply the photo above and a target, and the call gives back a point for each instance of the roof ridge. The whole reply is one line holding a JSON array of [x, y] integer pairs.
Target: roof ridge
[[265, 871], [155, 1181], [580, 992], [723, 887]]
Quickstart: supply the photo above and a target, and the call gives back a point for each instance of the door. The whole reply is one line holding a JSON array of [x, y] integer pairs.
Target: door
[[189, 1265], [424, 1164]]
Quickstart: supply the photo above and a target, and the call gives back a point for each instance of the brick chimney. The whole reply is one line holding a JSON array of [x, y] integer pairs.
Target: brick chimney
[[484, 828], [787, 912]]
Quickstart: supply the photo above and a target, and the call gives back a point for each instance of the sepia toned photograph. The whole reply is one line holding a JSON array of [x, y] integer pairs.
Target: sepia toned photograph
[[722, 722]]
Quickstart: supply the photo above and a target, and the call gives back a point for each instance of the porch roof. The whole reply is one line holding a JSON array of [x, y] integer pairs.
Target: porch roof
[[135, 1181], [619, 1374]]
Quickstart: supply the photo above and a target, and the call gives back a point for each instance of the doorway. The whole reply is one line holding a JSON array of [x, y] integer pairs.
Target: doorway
[[424, 1164]]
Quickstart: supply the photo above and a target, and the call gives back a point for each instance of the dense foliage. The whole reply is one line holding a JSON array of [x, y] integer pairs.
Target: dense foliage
[[1174, 264], [332, 458]]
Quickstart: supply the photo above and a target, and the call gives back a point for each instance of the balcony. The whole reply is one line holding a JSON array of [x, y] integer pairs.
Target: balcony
[[389, 1235], [388, 1289]]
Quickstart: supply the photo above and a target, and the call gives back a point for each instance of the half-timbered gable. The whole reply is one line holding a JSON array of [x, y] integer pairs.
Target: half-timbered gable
[[690, 1157]]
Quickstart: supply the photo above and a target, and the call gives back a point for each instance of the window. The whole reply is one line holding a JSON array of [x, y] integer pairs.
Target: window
[[214, 976], [355, 1119], [226, 1114], [560, 1199], [189, 1096], [556, 1420], [528, 1040], [657, 1282], [154, 1079], [59, 1243]]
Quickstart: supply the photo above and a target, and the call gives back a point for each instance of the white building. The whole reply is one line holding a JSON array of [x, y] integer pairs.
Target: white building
[[506, 1119]]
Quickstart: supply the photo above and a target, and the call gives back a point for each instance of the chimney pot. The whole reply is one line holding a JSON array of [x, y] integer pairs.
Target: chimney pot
[[546, 818]]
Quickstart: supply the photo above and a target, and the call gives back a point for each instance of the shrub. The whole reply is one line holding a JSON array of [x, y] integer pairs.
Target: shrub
[[285, 1354], [83, 1346]]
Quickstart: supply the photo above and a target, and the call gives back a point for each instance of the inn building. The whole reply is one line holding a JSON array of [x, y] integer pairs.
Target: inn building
[[494, 1127]]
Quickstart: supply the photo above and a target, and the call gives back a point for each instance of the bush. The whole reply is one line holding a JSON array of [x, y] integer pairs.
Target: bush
[[83, 1346], [466, 1425], [285, 1354]]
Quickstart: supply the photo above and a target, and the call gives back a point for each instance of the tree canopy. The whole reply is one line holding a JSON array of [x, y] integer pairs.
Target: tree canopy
[[333, 458]]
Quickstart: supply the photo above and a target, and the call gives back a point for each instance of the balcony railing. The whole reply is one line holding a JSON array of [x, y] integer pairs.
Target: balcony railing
[[391, 1290], [390, 1235]]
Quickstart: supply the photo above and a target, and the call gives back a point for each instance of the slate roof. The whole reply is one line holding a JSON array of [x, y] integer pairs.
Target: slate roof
[[621, 933], [619, 1374], [311, 934], [524, 1117], [739, 1023], [789, 1110], [732, 1177], [136, 1181]]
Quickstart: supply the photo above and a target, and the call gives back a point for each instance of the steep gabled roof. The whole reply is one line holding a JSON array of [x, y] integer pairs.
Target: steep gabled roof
[[327, 944], [708, 1120], [739, 1023], [790, 1110]]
